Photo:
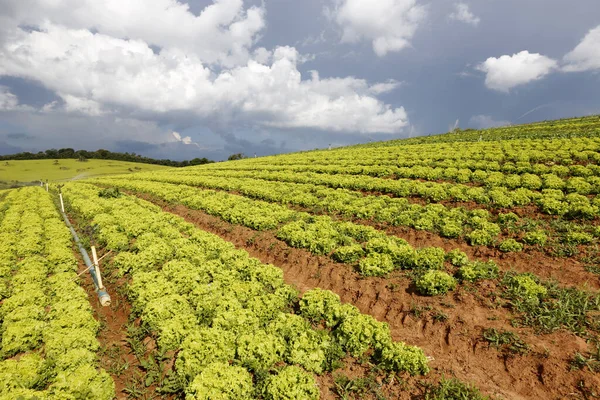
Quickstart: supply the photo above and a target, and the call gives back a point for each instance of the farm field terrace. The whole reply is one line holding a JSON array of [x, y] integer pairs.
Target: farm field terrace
[[479, 247], [458, 266]]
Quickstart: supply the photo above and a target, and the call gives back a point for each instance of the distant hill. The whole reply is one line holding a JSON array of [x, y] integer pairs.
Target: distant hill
[[15, 173]]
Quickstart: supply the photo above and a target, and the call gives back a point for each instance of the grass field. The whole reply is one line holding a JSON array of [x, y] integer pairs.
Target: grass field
[[66, 169]]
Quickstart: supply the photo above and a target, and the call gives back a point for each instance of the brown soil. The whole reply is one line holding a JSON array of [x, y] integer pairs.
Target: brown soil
[[116, 356], [566, 271], [448, 329]]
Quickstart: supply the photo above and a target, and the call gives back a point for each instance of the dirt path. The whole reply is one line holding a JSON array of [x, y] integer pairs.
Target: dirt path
[[448, 328], [116, 354]]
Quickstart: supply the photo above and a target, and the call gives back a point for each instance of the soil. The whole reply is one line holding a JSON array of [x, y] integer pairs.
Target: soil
[[115, 353], [116, 356], [448, 328], [568, 271]]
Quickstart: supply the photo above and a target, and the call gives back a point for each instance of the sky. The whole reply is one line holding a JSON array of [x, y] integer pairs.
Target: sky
[[210, 78]]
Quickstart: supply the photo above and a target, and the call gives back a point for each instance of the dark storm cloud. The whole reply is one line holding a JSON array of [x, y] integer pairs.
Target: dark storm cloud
[[134, 146], [19, 136], [6, 148], [440, 82]]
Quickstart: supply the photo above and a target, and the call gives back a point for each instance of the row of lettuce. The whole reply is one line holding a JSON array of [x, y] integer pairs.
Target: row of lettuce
[[485, 173], [372, 252], [238, 330], [544, 305], [574, 203], [533, 156], [49, 346], [477, 226], [450, 222]]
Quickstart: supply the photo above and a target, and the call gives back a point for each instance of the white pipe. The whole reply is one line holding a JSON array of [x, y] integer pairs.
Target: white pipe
[[103, 296], [62, 205], [46, 186], [97, 265], [104, 300]]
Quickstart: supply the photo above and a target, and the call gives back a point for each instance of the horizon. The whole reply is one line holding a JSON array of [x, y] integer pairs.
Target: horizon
[[278, 77]]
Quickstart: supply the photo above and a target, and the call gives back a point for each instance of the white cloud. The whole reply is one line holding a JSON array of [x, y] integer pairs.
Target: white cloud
[[81, 104], [8, 101], [187, 140], [463, 13], [388, 24], [586, 56], [486, 121], [507, 72], [385, 87], [222, 33], [97, 73]]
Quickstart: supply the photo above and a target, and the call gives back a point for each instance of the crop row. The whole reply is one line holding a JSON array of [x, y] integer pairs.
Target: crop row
[[374, 253], [448, 222], [477, 226], [237, 328], [49, 343], [570, 128], [565, 152], [536, 177], [543, 305], [548, 201]]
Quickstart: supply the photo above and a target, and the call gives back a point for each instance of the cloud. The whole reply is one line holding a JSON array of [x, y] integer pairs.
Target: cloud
[[19, 136], [385, 87], [97, 74], [6, 148], [463, 13], [586, 56], [486, 121], [8, 101], [222, 33], [388, 24], [507, 72], [187, 140]]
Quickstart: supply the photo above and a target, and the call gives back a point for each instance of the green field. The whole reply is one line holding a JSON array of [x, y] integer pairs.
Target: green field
[[458, 266], [13, 171]]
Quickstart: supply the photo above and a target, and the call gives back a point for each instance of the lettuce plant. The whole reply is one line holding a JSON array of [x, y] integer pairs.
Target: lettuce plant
[[435, 282]]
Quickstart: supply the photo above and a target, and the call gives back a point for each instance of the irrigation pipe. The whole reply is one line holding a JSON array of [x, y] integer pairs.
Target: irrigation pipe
[[103, 296]]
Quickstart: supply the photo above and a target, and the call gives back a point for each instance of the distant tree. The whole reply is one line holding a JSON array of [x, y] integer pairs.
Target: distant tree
[[199, 161], [66, 153], [51, 153], [236, 156], [55, 162], [84, 155], [102, 153]]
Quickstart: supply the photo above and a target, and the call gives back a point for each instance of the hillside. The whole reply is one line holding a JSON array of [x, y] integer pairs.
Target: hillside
[[472, 245], [23, 171], [462, 265]]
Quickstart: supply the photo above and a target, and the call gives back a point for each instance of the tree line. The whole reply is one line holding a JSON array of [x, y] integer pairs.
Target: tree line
[[101, 154]]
